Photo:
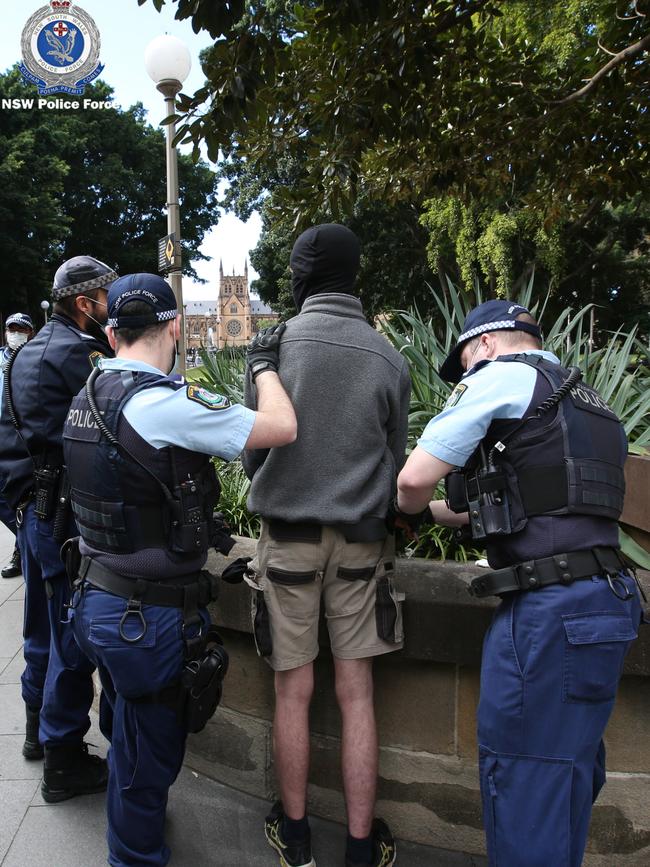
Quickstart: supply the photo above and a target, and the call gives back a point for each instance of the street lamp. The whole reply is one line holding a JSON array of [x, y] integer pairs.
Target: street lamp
[[45, 306], [168, 63]]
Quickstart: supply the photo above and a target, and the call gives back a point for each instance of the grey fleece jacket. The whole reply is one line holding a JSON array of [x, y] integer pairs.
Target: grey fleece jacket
[[350, 390]]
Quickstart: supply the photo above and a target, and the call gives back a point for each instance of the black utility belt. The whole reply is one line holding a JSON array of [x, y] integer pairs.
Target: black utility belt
[[366, 530], [199, 588], [558, 569]]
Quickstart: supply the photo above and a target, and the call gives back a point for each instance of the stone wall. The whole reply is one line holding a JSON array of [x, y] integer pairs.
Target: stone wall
[[426, 697]]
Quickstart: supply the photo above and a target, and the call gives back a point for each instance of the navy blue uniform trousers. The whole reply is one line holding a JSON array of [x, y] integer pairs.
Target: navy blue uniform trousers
[[552, 660], [147, 740], [7, 515], [57, 676]]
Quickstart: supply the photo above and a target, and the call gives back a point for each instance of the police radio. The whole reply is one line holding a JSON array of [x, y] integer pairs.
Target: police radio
[[46, 487], [482, 493], [189, 530]]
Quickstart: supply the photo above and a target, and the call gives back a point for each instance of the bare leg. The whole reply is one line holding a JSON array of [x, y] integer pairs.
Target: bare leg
[[359, 750], [293, 692]]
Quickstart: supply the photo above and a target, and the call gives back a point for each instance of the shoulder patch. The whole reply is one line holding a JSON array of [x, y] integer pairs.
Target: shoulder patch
[[456, 395], [206, 398], [94, 358]]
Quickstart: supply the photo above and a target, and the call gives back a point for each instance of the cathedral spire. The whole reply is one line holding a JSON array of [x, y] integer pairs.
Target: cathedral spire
[[221, 267]]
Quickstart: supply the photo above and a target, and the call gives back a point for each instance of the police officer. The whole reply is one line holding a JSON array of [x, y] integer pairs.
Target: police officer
[[42, 377], [19, 328], [138, 443], [542, 487]]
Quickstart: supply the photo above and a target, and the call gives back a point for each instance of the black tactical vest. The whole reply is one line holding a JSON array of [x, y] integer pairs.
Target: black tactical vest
[[127, 495], [563, 469]]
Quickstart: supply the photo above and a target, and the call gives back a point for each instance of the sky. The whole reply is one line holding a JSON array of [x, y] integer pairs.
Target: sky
[[126, 29]]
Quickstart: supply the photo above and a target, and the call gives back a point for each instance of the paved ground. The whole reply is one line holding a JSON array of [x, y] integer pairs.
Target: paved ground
[[209, 825]]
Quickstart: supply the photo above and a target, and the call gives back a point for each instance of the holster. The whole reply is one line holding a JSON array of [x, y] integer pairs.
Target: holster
[[195, 697]]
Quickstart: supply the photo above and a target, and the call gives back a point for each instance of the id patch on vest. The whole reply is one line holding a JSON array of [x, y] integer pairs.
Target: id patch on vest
[[95, 357], [206, 398], [456, 395]]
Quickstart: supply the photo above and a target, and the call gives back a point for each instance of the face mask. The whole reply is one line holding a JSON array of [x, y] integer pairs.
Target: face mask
[[100, 323], [173, 370], [15, 339]]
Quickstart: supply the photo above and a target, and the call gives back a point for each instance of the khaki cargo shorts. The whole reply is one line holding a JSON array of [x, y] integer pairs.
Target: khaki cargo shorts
[[362, 609]]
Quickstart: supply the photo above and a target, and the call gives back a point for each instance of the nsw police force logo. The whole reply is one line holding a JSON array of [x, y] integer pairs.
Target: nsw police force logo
[[60, 46]]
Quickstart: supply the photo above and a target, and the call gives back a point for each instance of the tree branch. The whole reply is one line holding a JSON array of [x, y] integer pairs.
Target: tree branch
[[606, 50], [630, 51]]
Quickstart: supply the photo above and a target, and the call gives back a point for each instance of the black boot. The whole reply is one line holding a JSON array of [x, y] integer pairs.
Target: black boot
[[32, 749], [70, 770], [13, 568]]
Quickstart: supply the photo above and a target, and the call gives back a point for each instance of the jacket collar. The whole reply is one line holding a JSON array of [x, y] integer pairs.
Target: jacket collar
[[334, 303]]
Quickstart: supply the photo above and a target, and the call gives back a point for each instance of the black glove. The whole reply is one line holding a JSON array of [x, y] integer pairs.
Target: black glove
[[409, 524], [263, 350], [234, 573]]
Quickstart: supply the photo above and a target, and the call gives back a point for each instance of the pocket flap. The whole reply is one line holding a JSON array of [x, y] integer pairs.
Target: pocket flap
[[284, 576], [598, 627], [105, 632]]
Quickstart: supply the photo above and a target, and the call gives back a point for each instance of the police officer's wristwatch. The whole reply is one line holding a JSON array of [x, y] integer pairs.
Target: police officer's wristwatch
[[260, 366]]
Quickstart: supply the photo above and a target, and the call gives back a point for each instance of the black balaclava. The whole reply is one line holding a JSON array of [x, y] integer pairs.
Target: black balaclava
[[324, 259]]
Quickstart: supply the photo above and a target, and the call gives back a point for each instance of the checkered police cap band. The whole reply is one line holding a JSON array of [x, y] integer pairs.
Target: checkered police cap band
[[20, 319], [87, 286], [504, 324], [487, 326], [141, 321]]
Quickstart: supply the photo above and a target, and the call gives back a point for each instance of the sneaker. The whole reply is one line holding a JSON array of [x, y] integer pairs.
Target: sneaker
[[13, 568], [70, 770], [32, 749], [293, 854], [384, 851]]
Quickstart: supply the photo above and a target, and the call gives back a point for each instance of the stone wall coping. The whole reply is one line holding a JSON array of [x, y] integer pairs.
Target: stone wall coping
[[442, 622]]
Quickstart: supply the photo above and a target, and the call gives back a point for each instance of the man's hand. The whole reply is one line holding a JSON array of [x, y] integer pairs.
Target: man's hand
[[409, 524], [263, 350]]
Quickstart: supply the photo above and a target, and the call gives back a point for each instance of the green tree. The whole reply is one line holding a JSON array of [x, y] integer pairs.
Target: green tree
[[519, 124], [76, 182]]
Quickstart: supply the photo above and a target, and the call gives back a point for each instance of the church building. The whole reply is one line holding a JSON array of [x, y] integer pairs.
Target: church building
[[231, 320]]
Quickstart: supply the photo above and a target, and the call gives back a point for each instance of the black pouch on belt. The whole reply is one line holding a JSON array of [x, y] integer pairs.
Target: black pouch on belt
[[71, 556], [261, 626], [385, 611], [202, 682]]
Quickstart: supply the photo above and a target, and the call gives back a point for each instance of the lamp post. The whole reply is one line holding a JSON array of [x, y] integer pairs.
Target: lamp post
[[168, 64], [45, 306]]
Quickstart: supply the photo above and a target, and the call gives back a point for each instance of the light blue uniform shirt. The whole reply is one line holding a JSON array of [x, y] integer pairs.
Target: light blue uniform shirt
[[206, 423], [497, 390]]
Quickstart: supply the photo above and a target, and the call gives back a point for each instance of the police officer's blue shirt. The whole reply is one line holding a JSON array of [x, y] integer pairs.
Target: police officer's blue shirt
[[166, 417], [496, 390]]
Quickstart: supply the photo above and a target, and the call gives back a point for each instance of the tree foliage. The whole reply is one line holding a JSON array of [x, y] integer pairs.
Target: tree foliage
[[518, 128], [87, 181]]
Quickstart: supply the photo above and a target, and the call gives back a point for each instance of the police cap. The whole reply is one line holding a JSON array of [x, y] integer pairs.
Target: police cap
[[148, 288], [498, 315], [22, 319], [81, 274]]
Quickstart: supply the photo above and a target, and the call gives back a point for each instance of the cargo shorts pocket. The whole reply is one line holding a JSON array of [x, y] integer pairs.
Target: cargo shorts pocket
[[297, 593], [261, 625], [526, 808], [388, 611], [595, 648]]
